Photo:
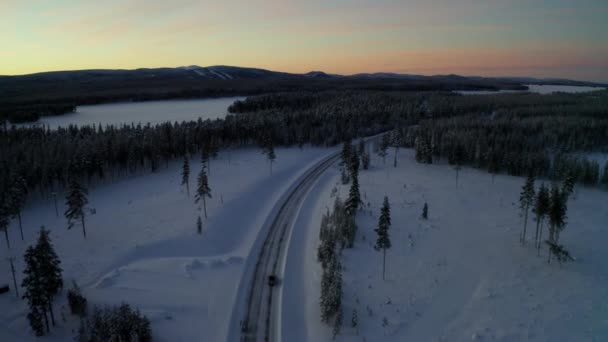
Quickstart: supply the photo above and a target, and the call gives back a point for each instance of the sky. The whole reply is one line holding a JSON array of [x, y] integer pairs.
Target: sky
[[542, 38]]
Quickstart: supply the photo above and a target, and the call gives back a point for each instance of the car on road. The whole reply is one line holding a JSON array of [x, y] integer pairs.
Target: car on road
[[272, 280]]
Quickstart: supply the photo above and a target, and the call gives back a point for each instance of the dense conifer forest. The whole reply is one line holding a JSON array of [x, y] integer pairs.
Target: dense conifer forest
[[518, 134]]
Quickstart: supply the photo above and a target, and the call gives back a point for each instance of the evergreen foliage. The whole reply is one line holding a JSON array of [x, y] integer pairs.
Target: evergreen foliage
[[203, 191], [76, 200], [120, 323], [526, 200], [76, 301], [186, 175], [541, 210], [425, 212], [383, 241]]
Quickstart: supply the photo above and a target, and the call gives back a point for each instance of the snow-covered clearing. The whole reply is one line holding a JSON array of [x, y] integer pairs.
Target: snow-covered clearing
[[142, 246], [459, 276]]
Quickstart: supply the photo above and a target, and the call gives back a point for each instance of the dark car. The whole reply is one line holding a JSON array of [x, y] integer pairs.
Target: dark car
[[272, 280]]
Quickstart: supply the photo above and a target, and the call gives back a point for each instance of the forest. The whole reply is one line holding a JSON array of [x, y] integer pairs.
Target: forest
[[518, 134]]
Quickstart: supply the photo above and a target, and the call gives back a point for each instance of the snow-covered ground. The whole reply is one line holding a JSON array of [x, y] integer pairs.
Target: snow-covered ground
[[152, 112], [459, 276], [142, 246]]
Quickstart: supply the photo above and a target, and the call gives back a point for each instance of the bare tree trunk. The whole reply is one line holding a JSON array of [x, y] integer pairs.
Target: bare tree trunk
[[51, 311], [84, 231], [8, 244], [20, 226], [523, 237], [383, 262], [540, 237], [205, 205]]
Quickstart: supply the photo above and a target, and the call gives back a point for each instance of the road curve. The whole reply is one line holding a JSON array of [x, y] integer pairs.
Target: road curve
[[258, 325]]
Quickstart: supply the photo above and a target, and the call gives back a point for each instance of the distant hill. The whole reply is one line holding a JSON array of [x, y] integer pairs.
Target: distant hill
[[26, 97]]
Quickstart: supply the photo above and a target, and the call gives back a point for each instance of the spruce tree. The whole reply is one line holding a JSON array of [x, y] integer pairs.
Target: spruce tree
[[568, 185], [384, 144], [604, 180], [203, 190], [271, 155], [526, 200], [186, 175], [338, 323], [199, 225], [557, 214], [4, 220], [346, 154], [541, 209], [16, 199], [425, 212], [383, 242], [76, 200], [35, 292], [49, 268], [365, 160]]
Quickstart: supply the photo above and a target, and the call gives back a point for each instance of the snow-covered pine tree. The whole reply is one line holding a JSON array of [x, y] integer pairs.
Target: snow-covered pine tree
[[199, 225], [35, 293], [203, 190], [76, 200], [354, 197], [186, 175], [383, 242], [16, 199], [540, 210], [49, 268], [425, 211], [526, 200]]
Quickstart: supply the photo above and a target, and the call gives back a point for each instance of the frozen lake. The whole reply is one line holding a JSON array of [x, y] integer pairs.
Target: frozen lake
[[535, 88], [141, 112]]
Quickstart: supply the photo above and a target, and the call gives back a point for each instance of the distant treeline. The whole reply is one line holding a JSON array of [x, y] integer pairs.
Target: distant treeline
[[544, 138]]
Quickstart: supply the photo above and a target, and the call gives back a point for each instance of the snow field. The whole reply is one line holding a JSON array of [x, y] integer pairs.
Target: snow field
[[142, 246], [461, 275]]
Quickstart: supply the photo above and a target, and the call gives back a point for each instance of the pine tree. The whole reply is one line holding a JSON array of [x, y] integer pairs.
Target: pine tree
[[338, 323], [396, 141], [557, 214], [604, 180], [425, 212], [568, 186], [4, 220], [76, 200], [347, 152], [199, 225], [354, 197], [35, 292], [16, 199], [365, 160], [384, 144], [526, 200], [186, 175], [383, 242], [361, 147], [270, 155], [424, 152], [541, 209], [203, 191], [50, 271]]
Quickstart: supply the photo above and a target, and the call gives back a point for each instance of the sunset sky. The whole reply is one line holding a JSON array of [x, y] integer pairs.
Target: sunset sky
[[546, 38]]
